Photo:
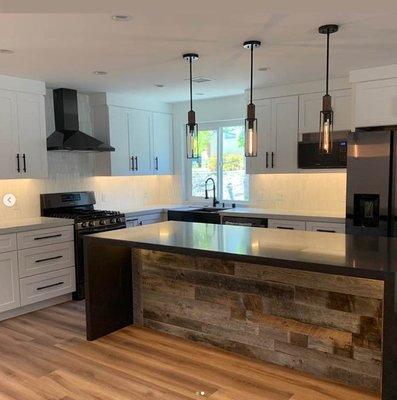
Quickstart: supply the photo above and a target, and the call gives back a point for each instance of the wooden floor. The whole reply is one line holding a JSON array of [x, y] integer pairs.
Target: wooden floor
[[44, 355]]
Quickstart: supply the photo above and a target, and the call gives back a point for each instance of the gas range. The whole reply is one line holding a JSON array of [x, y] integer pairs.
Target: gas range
[[79, 206], [85, 219]]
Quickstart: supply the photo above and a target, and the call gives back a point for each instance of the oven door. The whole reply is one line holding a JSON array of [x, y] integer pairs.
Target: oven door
[[79, 294]]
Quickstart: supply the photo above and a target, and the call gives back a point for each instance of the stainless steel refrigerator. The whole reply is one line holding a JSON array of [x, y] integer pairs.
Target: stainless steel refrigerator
[[371, 182]]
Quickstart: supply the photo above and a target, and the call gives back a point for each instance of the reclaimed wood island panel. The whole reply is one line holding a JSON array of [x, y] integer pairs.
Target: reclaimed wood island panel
[[328, 320]]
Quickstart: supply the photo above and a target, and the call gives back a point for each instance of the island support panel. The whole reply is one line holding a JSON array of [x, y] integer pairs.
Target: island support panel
[[327, 325]]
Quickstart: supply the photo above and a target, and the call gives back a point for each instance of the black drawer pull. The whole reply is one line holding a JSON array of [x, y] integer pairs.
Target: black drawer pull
[[326, 230], [48, 237], [267, 159], [49, 286], [48, 259], [18, 164], [286, 227], [24, 162]]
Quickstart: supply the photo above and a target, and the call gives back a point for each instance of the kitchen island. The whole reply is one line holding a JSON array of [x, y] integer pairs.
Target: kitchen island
[[320, 303]]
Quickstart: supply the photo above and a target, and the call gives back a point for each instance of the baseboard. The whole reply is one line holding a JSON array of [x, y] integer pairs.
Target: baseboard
[[34, 307]]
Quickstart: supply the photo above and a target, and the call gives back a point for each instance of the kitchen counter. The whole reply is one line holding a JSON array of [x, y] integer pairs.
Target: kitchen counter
[[283, 214], [148, 209], [30, 224], [322, 303]]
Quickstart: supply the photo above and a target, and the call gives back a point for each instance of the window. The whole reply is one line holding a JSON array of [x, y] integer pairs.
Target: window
[[221, 148]]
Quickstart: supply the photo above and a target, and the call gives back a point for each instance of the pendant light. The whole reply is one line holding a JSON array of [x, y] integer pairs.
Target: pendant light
[[251, 123], [191, 126], [326, 114]]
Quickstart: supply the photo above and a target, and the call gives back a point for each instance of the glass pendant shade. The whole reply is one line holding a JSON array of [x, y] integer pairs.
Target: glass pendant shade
[[251, 132], [326, 129], [251, 137], [192, 141]]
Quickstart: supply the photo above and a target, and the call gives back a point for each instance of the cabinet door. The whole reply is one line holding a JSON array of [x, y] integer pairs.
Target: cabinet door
[[9, 281], [120, 159], [139, 127], [284, 135], [262, 163], [32, 135], [9, 143], [162, 143], [310, 106], [332, 227]]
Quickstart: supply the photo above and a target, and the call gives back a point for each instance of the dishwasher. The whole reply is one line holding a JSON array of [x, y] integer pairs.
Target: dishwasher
[[245, 221]]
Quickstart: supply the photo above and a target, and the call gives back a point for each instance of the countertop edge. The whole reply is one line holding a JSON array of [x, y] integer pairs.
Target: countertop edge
[[52, 223], [251, 259]]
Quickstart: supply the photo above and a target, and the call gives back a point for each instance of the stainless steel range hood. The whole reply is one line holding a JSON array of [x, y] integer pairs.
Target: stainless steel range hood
[[67, 135]]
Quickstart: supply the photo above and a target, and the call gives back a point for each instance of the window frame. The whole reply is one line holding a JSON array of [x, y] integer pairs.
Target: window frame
[[214, 125]]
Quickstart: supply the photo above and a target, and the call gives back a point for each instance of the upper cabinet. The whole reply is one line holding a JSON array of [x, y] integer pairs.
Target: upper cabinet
[[277, 136], [142, 139], [310, 106], [23, 150], [374, 96]]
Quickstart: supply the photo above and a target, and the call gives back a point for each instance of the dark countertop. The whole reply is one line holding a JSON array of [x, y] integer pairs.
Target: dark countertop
[[333, 253]]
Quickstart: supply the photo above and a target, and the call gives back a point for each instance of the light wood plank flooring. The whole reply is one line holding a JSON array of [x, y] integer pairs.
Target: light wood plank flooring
[[44, 355]]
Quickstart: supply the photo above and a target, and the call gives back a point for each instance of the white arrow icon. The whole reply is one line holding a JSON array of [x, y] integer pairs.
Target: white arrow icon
[[9, 200]]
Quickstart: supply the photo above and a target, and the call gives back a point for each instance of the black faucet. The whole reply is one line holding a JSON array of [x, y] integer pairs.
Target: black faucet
[[214, 200]]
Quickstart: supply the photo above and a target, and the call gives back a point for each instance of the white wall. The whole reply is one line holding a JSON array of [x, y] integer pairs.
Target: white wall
[[70, 171], [307, 192]]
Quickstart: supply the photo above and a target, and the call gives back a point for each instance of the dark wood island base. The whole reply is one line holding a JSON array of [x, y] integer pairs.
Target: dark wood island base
[[333, 326]]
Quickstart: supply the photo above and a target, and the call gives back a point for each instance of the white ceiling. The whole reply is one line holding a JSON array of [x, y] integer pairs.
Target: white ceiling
[[64, 48]]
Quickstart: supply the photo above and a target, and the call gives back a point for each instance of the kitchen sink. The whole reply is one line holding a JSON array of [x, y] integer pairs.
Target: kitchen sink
[[209, 215]]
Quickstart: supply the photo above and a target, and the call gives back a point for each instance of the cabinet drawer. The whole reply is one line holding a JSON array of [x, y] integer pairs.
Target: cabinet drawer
[[44, 237], [286, 224], [46, 286], [325, 227], [8, 242], [38, 260]]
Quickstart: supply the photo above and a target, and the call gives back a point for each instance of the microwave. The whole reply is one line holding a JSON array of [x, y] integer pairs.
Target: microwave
[[309, 156]]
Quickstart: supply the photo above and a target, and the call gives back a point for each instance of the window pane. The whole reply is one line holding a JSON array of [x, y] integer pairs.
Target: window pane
[[205, 166], [235, 180]]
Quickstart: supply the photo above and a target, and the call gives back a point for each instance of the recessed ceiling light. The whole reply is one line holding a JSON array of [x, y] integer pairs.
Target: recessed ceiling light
[[159, 85], [6, 51], [264, 69], [121, 17], [100, 73]]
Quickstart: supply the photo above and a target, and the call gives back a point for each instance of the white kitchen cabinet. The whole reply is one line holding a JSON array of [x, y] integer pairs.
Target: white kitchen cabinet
[[145, 219], [286, 224], [142, 141], [375, 103], [311, 104], [162, 143], [9, 281], [284, 157], [277, 136], [139, 129], [331, 227], [23, 150]]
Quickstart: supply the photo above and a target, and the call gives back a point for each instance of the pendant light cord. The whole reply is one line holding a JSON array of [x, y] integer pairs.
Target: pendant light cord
[[252, 70], [327, 73], [191, 84]]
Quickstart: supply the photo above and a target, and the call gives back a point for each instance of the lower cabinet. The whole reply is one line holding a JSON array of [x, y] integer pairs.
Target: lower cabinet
[[325, 227], [9, 281], [35, 266], [331, 227], [286, 224], [145, 219], [46, 286]]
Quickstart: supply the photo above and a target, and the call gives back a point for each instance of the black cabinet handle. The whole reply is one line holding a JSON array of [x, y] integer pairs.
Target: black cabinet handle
[[156, 161], [48, 237], [18, 164], [48, 259], [285, 227], [272, 159], [267, 159], [136, 163], [24, 162], [48, 286], [132, 163], [325, 230]]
